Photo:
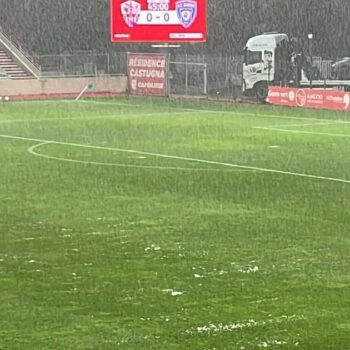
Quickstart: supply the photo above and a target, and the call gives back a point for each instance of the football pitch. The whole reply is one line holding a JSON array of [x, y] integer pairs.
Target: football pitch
[[157, 224]]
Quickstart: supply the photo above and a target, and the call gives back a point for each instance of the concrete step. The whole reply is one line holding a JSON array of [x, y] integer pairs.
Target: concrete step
[[18, 76], [11, 71], [15, 73], [11, 66], [8, 65], [14, 69]]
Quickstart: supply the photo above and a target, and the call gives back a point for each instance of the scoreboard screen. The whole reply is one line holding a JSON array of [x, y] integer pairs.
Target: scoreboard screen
[[158, 20]]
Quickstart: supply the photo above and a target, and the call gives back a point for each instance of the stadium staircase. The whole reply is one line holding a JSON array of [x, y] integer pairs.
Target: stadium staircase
[[15, 61], [9, 68]]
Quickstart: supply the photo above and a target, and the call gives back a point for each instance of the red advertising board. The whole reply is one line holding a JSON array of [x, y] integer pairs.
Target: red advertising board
[[147, 74], [158, 20], [309, 98]]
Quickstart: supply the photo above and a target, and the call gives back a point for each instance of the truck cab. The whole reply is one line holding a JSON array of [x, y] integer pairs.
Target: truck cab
[[267, 60]]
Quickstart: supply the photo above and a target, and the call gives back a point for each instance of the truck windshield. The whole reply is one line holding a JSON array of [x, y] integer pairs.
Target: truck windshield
[[252, 57]]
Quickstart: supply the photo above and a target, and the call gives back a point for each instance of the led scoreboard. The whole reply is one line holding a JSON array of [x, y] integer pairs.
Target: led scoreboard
[[158, 20]]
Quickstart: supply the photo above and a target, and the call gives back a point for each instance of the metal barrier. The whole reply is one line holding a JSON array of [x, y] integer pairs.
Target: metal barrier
[[323, 68], [83, 64], [189, 74], [219, 76], [188, 78], [192, 75]]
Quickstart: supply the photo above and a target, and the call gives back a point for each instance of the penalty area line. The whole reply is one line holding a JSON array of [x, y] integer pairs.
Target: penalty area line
[[160, 155]]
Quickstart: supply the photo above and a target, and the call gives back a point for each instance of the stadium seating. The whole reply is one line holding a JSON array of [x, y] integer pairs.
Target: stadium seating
[[10, 68]]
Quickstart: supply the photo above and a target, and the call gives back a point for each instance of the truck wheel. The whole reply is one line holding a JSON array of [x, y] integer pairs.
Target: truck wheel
[[261, 91]]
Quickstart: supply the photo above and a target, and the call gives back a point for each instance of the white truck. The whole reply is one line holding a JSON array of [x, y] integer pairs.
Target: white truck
[[269, 59]]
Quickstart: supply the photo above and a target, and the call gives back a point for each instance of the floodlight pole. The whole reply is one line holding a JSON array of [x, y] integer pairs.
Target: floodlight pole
[[310, 36]]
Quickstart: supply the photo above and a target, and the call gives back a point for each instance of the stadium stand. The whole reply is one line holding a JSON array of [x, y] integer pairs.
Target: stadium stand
[[10, 68]]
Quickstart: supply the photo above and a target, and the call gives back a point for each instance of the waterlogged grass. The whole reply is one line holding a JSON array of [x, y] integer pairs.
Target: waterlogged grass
[[152, 237]]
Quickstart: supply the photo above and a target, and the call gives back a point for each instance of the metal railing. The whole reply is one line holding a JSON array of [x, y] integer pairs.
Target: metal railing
[[213, 75], [198, 71], [199, 75], [83, 64], [323, 68]]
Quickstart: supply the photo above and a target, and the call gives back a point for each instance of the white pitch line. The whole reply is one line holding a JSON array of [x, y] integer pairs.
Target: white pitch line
[[310, 124], [302, 131], [10, 121], [274, 171], [233, 112], [262, 116], [109, 103], [32, 151], [45, 119]]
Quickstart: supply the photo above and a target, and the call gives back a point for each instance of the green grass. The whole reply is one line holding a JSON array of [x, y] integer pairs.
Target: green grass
[[94, 240]]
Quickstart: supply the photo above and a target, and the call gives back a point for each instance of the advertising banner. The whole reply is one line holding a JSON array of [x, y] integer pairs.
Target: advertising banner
[[148, 74], [158, 20], [309, 98]]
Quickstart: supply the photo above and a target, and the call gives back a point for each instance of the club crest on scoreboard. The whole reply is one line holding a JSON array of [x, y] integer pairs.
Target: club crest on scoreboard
[[186, 12], [131, 11]]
